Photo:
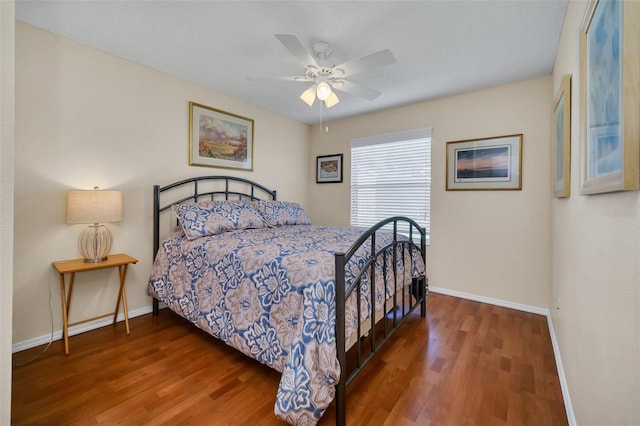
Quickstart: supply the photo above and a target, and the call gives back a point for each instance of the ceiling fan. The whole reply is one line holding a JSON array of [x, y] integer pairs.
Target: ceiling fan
[[324, 80]]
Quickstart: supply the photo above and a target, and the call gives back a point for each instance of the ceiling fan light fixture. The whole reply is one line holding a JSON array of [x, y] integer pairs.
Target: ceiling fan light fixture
[[309, 95], [324, 91], [332, 100]]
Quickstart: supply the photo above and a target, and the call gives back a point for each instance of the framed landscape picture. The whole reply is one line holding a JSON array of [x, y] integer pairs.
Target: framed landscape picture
[[219, 139], [485, 164], [609, 93], [561, 140], [329, 168]]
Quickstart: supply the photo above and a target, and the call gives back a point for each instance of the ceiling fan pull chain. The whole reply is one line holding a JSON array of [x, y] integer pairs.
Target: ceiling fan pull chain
[[326, 124]]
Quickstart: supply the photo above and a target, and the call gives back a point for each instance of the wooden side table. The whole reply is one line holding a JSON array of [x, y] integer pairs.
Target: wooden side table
[[122, 261]]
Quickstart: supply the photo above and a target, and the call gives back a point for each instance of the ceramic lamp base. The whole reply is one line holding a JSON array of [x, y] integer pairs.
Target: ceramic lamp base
[[95, 243]]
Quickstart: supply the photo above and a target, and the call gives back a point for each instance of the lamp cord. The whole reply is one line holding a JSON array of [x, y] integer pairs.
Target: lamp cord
[[50, 337]]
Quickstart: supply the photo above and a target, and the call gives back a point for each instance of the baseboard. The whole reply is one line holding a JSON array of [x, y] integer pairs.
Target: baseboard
[[491, 301], [564, 386], [76, 329], [571, 418]]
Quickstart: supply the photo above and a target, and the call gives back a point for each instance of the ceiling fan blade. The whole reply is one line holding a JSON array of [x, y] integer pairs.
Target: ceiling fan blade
[[281, 78], [356, 89], [366, 63], [296, 48]]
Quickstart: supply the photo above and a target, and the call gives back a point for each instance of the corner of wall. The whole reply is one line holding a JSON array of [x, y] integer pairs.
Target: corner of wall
[[7, 114]]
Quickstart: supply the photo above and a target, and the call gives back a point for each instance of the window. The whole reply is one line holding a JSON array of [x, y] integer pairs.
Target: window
[[391, 176]]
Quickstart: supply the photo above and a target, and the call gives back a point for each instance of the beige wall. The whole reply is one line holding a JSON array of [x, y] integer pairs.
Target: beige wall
[[489, 243], [85, 118], [595, 244], [7, 94]]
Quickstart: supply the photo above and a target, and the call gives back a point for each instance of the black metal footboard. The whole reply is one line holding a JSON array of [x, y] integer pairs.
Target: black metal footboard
[[396, 309]]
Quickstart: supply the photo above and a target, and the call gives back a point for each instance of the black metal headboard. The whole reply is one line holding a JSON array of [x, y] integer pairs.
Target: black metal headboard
[[203, 187]]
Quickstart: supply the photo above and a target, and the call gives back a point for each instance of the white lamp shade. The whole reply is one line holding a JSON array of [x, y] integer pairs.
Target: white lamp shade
[[94, 206], [331, 100], [324, 91], [309, 95]]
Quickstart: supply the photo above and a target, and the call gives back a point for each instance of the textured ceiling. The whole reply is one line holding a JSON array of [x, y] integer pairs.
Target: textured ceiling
[[441, 47]]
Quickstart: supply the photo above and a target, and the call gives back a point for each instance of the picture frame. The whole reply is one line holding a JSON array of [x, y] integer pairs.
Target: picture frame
[[561, 140], [219, 139], [609, 93], [329, 168], [485, 164]]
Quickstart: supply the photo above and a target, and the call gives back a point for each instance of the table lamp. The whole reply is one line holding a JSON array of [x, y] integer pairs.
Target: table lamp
[[94, 207]]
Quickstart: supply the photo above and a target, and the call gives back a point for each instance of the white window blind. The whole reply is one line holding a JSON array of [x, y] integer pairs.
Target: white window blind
[[391, 176]]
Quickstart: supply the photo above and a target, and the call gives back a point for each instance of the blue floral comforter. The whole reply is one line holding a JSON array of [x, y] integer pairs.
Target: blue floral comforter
[[270, 293]]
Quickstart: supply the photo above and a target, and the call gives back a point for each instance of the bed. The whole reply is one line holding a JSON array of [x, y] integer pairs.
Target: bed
[[254, 272]]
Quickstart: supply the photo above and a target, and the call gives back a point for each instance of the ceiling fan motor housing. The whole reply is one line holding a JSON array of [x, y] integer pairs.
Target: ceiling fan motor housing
[[314, 73]]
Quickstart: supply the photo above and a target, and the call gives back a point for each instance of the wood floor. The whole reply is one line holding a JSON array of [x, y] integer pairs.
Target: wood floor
[[468, 363]]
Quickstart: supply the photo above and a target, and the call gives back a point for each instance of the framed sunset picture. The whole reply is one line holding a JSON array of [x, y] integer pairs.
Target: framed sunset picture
[[485, 164]]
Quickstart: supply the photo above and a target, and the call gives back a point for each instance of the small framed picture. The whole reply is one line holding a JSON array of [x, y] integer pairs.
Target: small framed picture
[[219, 139], [489, 163], [329, 168]]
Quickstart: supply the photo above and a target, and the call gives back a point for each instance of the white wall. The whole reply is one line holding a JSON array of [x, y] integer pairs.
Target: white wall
[[7, 94], [595, 244], [489, 243], [86, 118]]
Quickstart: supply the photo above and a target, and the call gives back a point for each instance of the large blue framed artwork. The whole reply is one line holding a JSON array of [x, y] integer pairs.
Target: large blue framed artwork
[[609, 89]]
